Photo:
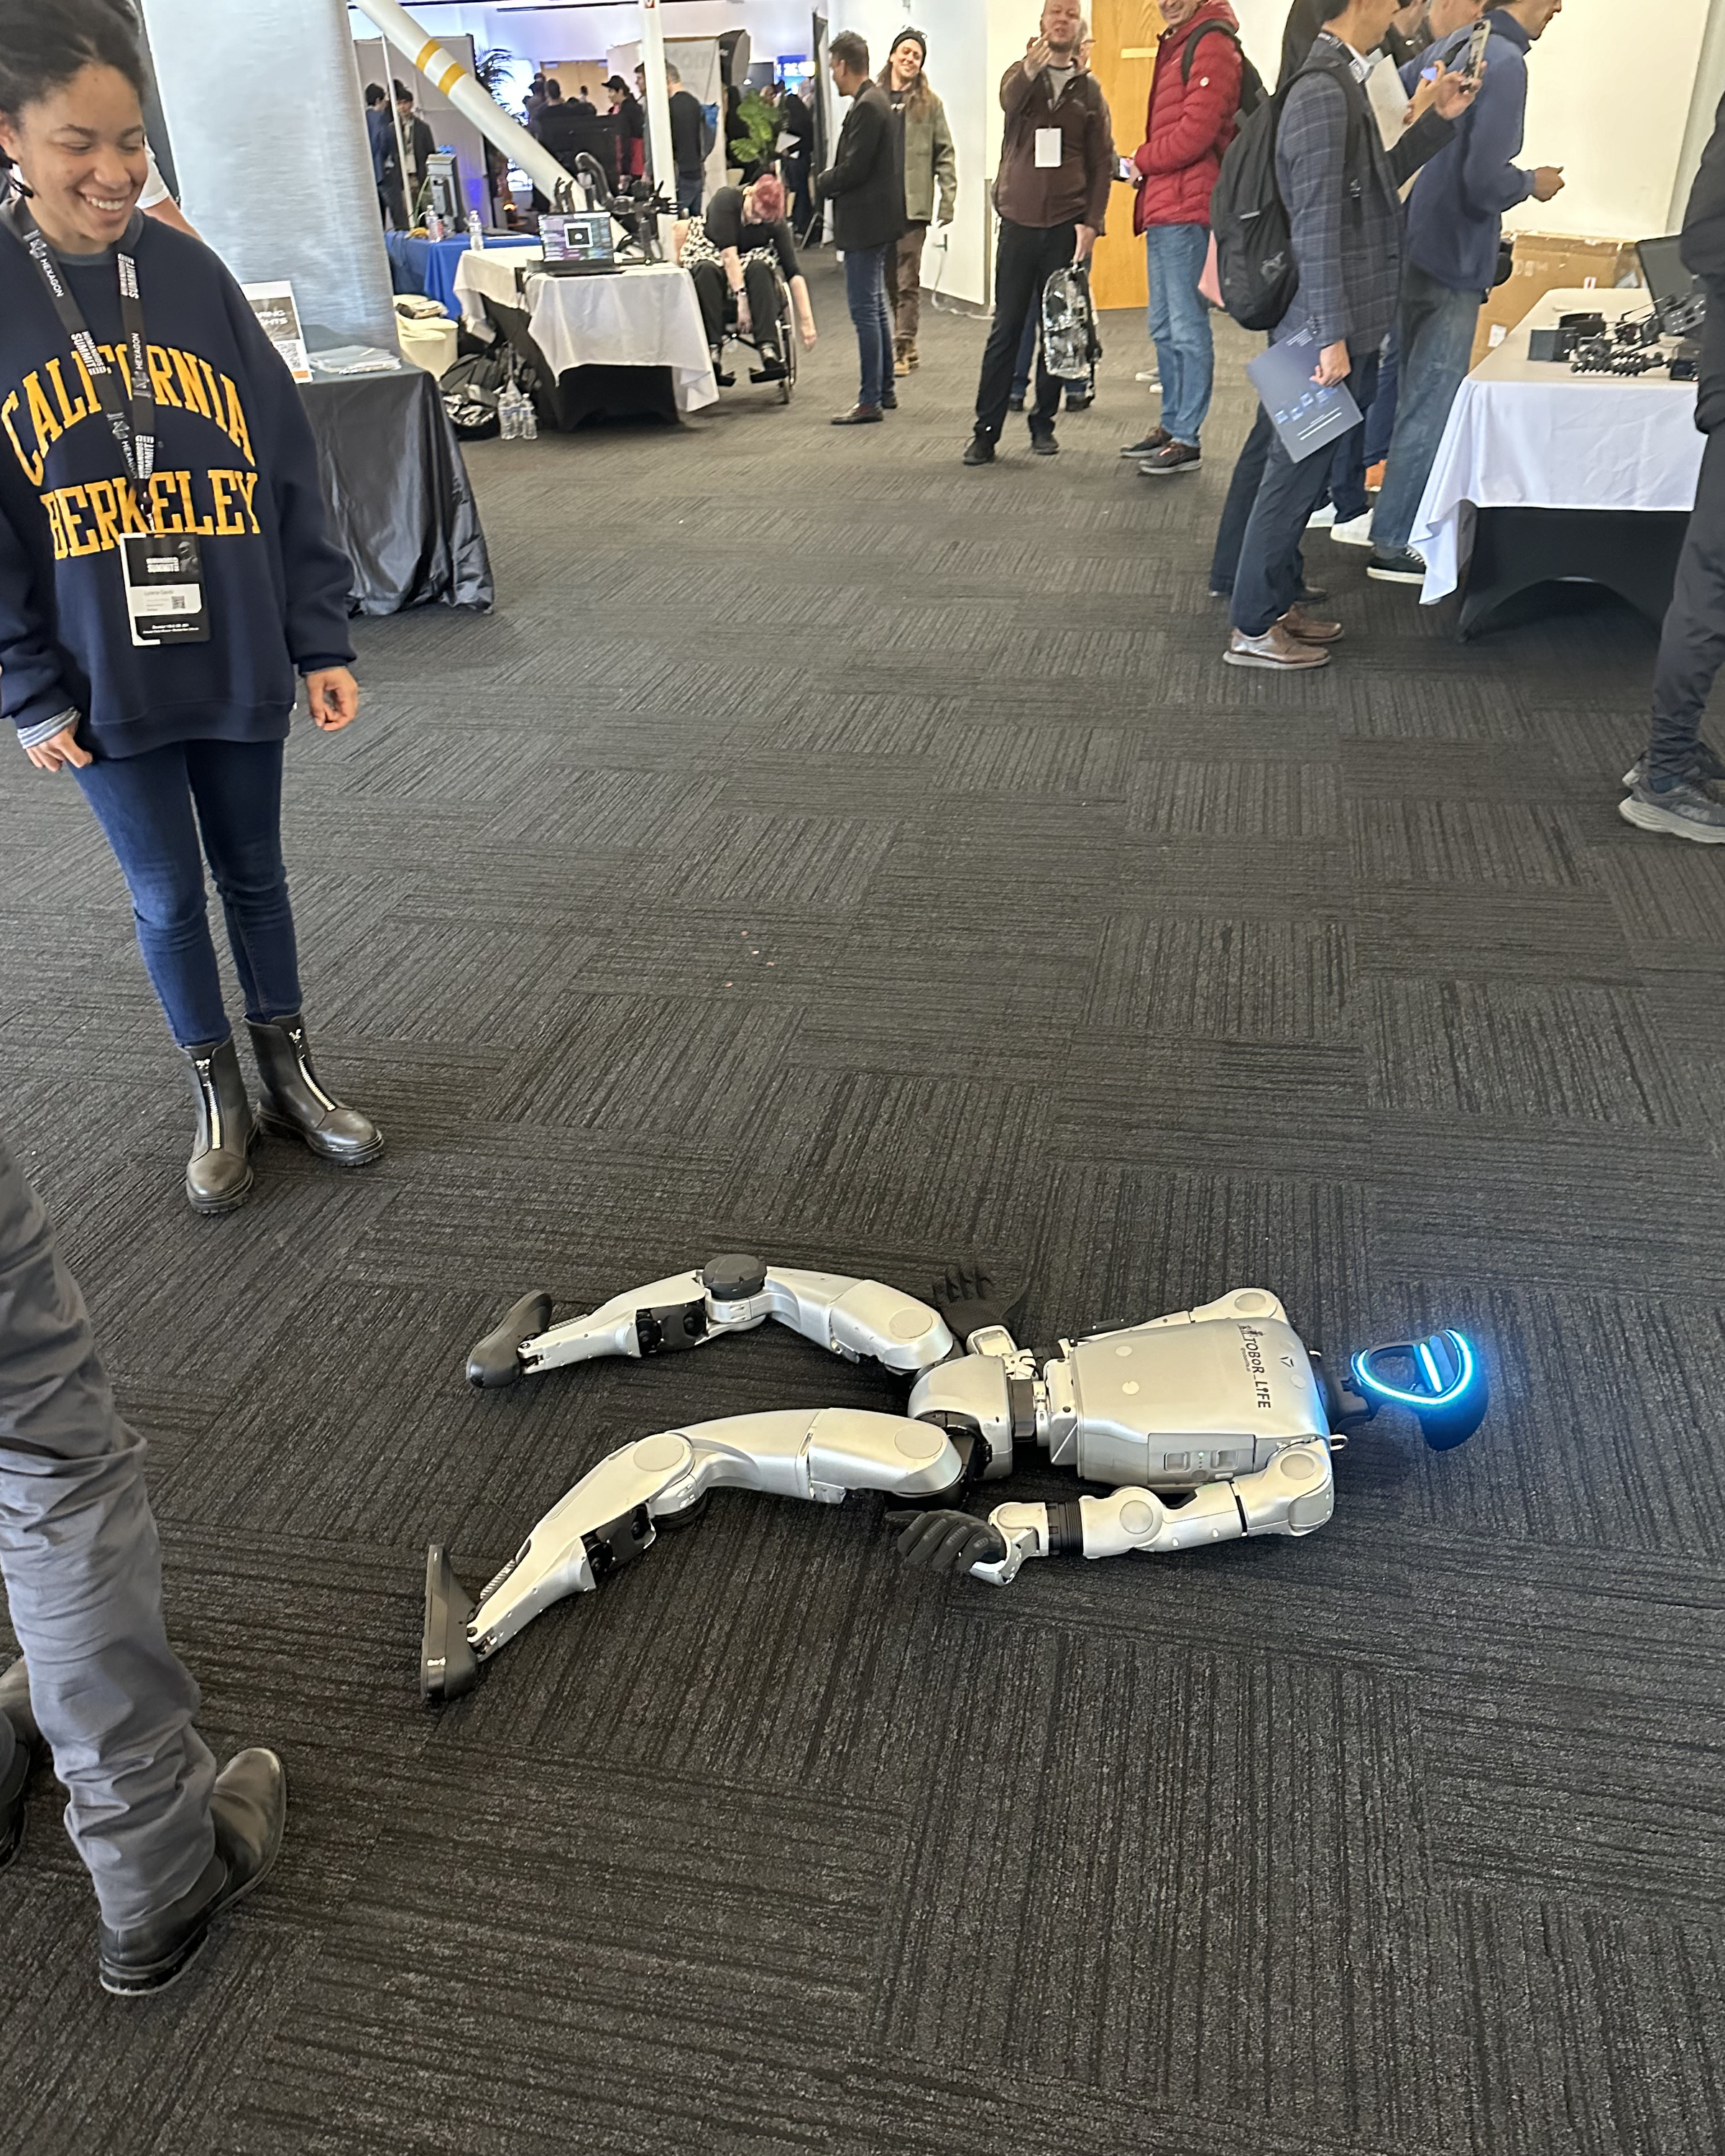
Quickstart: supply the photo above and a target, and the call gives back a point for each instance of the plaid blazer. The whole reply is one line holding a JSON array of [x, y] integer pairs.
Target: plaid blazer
[[1347, 224]]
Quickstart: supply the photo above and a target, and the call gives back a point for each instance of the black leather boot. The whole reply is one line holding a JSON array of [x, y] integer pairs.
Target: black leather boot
[[15, 1706], [248, 1810], [219, 1174], [295, 1105]]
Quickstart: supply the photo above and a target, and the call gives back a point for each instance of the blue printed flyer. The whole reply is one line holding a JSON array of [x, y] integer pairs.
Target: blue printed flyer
[[1307, 418]]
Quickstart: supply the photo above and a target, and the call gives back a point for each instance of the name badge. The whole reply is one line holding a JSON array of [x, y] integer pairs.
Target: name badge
[[165, 601], [1047, 145]]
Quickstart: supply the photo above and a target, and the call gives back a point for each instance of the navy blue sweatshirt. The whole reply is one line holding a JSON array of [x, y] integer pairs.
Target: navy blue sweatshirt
[[236, 462], [1456, 212]]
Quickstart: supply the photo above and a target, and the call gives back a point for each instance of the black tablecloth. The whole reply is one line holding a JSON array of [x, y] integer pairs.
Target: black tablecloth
[[1631, 552], [565, 400], [398, 499]]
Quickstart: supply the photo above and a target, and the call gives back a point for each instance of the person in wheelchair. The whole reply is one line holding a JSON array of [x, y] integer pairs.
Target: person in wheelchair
[[729, 252]]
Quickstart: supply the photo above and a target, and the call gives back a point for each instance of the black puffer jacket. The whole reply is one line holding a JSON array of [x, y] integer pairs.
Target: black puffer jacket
[[1704, 257]]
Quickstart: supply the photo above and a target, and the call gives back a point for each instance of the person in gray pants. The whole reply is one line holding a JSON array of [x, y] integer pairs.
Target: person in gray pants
[[169, 1843]]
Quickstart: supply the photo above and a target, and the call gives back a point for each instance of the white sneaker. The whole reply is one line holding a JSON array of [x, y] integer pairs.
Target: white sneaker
[[1321, 520], [1357, 531]]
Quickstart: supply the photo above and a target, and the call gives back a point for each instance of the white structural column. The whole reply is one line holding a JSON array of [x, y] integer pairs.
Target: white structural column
[[664, 164], [467, 94], [300, 203]]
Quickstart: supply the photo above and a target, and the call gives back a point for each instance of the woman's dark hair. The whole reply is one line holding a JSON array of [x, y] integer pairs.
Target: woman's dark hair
[[44, 43], [376, 93]]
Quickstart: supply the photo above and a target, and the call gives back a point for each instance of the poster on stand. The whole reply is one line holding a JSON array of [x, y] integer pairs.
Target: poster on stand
[[274, 307]]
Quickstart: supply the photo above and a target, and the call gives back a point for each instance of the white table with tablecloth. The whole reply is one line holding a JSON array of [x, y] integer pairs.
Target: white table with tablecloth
[[1528, 434], [646, 315]]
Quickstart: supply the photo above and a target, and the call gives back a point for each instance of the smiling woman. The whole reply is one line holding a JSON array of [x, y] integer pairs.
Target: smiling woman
[[163, 569]]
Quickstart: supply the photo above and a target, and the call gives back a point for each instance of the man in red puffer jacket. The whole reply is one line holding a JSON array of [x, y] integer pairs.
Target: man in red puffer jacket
[[1194, 98]]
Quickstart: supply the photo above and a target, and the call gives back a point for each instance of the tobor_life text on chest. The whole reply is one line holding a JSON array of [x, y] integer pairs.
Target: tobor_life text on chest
[[58, 396]]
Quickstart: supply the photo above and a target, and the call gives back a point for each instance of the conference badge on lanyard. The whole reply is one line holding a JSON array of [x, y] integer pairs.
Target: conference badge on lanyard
[[163, 572], [164, 588]]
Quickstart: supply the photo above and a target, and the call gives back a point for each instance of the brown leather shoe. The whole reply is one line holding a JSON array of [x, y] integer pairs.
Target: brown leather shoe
[[1275, 650], [1312, 628]]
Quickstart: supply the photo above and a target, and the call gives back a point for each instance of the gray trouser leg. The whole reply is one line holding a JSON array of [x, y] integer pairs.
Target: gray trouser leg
[[1691, 647], [82, 1573]]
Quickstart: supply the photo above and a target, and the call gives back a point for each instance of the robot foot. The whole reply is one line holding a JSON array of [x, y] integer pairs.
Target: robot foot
[[496, 1360], [449, 1667]]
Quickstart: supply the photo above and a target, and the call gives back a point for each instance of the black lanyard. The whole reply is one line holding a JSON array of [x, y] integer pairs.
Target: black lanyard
[[134, 427]]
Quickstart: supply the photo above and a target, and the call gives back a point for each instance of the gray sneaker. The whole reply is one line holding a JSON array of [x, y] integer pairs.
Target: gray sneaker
[[1704, 764], [1690, 809]]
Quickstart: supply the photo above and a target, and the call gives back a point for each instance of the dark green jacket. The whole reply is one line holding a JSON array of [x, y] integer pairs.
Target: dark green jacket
[[929, 161]]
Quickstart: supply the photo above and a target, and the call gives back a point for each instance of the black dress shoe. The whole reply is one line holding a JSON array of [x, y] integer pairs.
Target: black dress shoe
[[889, 400], [15, 1706], [248, 1810], [218, 1175], [293, 1105], [978, 450], [1044, 445], [859, 415]]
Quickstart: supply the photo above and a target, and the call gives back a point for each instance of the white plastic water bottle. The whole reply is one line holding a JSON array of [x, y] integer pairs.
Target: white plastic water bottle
[[530, 423], [509, 424], [475, 233]]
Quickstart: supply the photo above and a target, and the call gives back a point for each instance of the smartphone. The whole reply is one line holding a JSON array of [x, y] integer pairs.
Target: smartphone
[[1473, 63]]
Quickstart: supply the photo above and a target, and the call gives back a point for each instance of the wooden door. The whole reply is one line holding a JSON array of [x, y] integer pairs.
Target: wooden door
[[1123, 60]]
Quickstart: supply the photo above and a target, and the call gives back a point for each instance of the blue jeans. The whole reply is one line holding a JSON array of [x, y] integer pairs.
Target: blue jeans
[[153, 809], [1380, 420], [690, 187], [865, 293], [1180, 325], [1437, 329], [1270, 572]]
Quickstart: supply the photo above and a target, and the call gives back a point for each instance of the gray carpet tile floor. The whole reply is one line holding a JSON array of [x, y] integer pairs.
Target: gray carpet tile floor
[[828, 851]]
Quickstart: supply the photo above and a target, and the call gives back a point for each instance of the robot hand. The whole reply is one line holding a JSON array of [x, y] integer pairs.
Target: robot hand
[[975, 1311], [946, 1541], [730, 1294]]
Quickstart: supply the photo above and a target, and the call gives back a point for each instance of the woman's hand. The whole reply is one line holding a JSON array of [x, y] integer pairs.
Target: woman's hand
[[333, 696], [744, 325], [59, 751], [807, 333]]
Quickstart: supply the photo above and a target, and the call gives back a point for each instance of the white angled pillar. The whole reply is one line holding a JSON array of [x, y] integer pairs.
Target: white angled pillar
[[268, 126]]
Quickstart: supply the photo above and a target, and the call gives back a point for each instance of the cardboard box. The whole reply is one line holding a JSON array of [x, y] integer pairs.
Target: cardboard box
[[1548, 262]]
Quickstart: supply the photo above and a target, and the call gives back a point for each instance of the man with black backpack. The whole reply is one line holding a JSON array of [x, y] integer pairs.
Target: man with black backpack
[[1196, 95], [1310, 242]]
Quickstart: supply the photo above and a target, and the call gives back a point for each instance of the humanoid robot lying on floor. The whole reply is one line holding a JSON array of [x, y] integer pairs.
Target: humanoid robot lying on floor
[[1210, 1423]]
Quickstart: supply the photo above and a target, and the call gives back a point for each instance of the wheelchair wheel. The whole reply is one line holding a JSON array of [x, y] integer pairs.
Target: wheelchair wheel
[[788, 341]]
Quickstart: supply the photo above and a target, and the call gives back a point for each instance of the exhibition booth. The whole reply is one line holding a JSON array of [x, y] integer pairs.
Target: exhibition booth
[[621, 335]]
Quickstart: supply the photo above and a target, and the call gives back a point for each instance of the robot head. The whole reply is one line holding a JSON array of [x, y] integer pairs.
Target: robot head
[[1440, 1380]]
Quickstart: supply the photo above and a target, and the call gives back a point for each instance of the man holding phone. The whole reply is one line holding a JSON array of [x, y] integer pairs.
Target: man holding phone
[[1455, 222], [1051, 192]]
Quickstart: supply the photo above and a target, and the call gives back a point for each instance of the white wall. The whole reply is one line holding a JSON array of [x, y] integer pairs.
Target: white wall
[[1607, 99]]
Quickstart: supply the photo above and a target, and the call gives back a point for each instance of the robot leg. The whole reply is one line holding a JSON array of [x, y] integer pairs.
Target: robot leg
[[734, 1293], [610, 1516]]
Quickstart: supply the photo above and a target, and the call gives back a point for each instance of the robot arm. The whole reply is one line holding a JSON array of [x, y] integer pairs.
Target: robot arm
[[1293, 1494], [612, 1514], [730, 1294]]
